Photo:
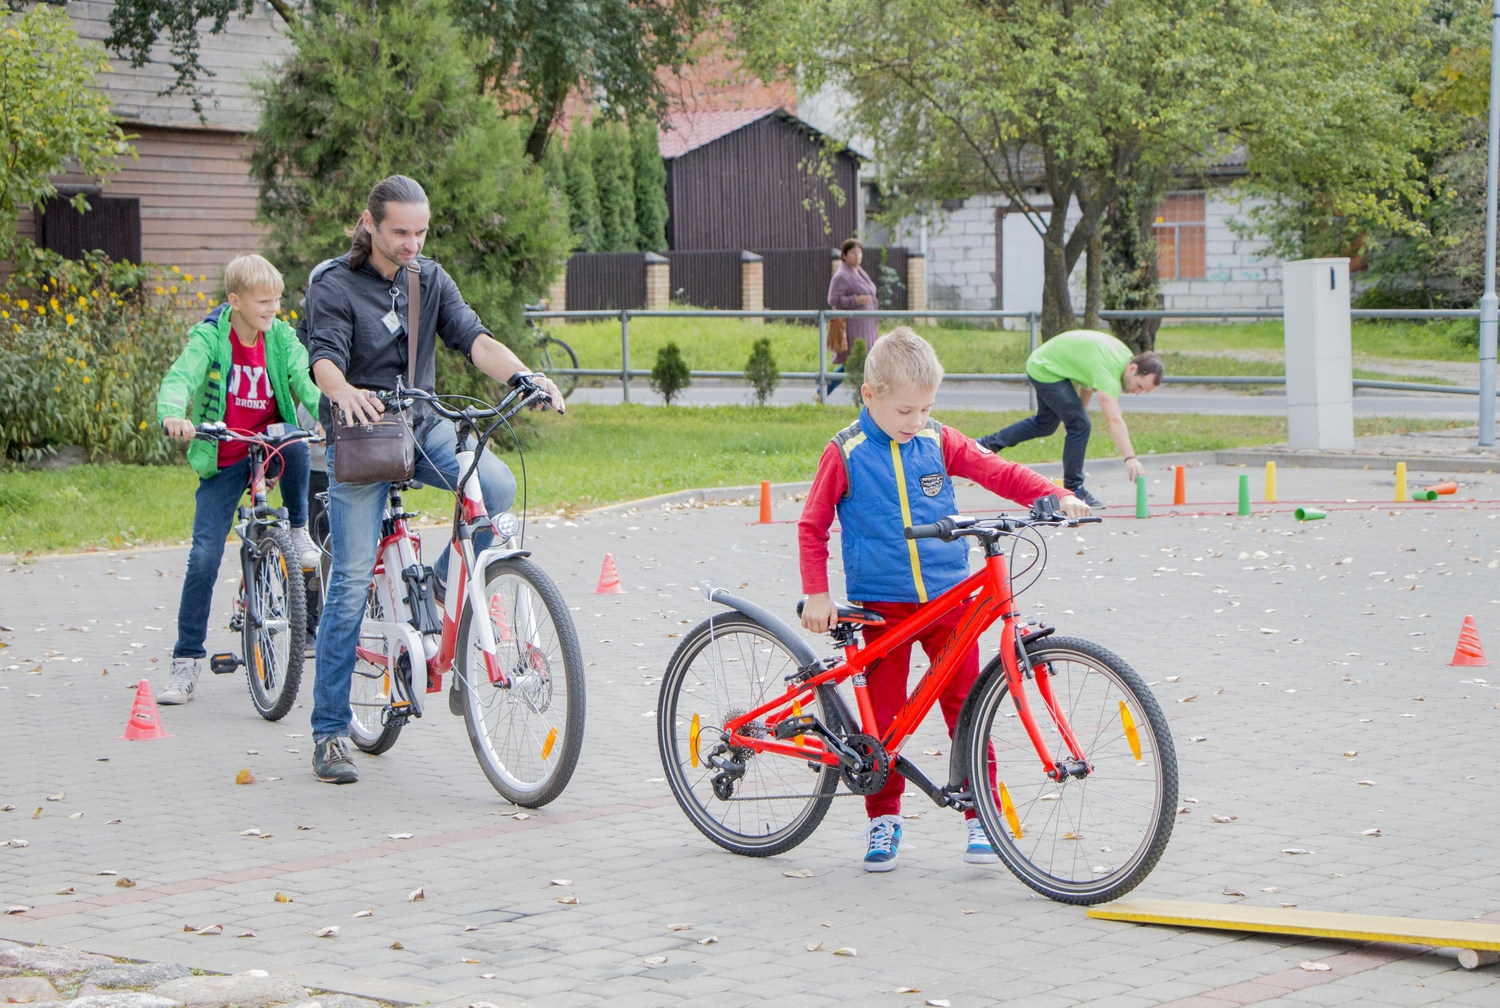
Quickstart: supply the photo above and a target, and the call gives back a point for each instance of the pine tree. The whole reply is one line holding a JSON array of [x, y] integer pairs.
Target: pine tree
[[612, 174], [583, 193], [374, 90], [650, 186], [760, 371]]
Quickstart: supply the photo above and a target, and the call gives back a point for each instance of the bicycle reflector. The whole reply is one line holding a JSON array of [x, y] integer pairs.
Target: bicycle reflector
[[506, 525], [1132, 734]]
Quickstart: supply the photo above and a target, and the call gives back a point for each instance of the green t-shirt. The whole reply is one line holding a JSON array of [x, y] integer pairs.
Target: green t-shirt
[[1093, 359]]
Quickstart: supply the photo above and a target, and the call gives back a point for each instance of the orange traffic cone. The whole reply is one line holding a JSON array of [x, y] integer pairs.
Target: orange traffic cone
[[1468, 651], [1179, 489], [1450, 487], [609, 578], [765, 502], [145, 722]]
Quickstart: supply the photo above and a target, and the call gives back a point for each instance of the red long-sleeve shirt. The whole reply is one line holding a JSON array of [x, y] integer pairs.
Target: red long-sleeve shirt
[[962, 456]]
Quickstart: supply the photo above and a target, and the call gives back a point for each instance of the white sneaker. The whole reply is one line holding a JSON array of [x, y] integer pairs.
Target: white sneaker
[[308, 553], [180, 687], [979, 850]]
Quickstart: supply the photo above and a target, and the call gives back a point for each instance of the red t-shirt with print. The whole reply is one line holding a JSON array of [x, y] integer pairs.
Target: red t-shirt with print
[[249, 401]]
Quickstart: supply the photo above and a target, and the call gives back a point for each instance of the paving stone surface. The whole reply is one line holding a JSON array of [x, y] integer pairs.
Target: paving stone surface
[[26, 988], [1303, 668], [135, 974], [243, 990]]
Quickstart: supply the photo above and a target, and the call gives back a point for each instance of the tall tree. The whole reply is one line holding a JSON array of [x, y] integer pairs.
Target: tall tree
[[615, 178], [583, 192], [53, 115], [650, 186], [374, 89], [1076, 97]]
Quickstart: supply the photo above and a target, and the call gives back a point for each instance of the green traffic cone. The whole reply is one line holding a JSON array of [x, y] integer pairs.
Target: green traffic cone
[[1423, 495], [1310, 514], [1142, 508], [1244, 494]]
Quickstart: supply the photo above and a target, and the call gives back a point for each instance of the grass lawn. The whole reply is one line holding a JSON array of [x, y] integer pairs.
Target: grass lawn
[[594, 455], [724, 345]]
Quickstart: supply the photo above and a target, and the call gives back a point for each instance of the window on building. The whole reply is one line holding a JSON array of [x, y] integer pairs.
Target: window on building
[[111, 225], [1179, 234]]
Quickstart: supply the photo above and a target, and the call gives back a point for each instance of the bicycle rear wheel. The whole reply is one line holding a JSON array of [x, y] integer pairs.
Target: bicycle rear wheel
[[373, 728], [1082, 840], [275, 623], [729, 665], [557, 354], [526, 733]]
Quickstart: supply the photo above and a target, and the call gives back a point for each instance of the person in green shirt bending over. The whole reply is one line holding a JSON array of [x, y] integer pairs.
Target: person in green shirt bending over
[[1094, 362]]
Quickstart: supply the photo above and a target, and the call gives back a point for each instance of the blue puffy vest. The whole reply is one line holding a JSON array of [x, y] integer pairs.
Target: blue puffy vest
[[892, 486]]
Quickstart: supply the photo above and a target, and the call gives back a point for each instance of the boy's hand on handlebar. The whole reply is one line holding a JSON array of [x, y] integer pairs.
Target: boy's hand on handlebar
[[819, 613], [1073, 507], [179, 428]]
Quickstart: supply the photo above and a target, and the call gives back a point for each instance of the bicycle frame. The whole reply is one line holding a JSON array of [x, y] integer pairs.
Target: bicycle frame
[[988, 595]]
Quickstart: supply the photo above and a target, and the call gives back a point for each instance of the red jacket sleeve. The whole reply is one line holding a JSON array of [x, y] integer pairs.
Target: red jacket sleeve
[[967, 458], [818, 512]]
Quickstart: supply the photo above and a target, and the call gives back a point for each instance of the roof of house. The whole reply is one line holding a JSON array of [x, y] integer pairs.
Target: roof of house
[[688, 129]]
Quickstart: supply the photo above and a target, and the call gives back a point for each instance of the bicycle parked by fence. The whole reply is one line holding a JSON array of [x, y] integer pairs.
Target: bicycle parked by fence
[[1076, 771], [554, 354], [270, 612], [503, 630]]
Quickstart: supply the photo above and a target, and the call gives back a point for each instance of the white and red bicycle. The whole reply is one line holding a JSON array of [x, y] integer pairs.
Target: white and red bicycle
[[503, 630]]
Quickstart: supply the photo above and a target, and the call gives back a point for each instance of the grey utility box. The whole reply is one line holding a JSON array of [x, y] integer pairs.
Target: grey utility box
[[1319, 356]]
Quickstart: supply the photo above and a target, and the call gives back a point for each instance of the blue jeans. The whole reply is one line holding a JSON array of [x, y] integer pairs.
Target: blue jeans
[[354, 511], [213, 514], [1056, 403]]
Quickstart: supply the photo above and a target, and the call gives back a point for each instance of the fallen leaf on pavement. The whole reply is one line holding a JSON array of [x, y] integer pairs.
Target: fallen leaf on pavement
[[401, 836], [799, 873], [521, 816], [845, 951], [416, 894], [1224, 818], [17, 909], [125, 883], [244, 776], [1365, 783], [245, 934], [396, 945], [562, 881], [471, 962], [1371, 832], [569, 900], [1294, 850], [939, 1003], [814, 946], [56, 797], [654, 960], [1232, 892], [681, 927], [367, 912], [18, 843], [1314, 967], [332, 931], [252, 831], [212, 929], [282, 897], [66, 891], [710, 940]]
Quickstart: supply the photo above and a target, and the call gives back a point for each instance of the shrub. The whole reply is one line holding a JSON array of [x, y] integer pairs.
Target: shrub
[[83, 347], [760, 370], [854, 366], [670, 375]]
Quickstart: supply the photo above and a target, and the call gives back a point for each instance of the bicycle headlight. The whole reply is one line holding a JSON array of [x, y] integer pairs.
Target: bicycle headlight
[[506, 525]]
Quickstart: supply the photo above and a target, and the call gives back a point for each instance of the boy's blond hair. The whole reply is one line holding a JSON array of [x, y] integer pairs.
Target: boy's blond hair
[[902, 359], [248, 274]]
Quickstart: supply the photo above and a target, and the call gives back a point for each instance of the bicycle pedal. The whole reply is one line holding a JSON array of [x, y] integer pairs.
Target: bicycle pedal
[[798, 724], [223, 663]]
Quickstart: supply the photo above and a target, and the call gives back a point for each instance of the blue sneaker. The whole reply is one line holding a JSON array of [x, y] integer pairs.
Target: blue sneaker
[[980, 850], [885, 839]]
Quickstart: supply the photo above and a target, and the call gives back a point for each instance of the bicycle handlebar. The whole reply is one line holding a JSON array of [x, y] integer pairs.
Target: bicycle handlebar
[[275, 435], [525, 394], [950, 528]]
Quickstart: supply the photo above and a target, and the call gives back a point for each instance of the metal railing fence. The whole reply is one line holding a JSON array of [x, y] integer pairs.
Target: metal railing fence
[[625, 373]]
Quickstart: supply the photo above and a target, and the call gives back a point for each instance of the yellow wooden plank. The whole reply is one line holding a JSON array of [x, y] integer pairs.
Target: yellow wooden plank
[[1312, 923]]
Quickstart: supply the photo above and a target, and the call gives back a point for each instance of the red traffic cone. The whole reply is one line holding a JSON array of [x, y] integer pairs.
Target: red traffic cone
[[609, 578], [1468, 651], [145, 722]]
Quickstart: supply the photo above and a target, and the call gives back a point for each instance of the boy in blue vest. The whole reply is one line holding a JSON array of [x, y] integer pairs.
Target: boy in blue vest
[[892, 468], [244, 366]]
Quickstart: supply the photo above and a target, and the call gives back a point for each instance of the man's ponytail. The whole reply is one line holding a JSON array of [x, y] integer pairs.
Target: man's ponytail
[[394, 189]]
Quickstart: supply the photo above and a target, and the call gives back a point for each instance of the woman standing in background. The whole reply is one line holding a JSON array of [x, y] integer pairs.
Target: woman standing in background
[[851, 289]]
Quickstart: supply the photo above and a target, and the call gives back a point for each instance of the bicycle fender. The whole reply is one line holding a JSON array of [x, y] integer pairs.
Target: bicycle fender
[[498, 553], [779, 629]]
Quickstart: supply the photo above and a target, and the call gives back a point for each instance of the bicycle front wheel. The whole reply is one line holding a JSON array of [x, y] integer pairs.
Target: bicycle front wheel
[[1082, 840], [748, 803], [528, 729], [374, 726], [557, 354], [275, 623]]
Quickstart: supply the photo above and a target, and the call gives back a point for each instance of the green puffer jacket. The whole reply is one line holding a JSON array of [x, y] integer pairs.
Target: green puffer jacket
[[196, 380]]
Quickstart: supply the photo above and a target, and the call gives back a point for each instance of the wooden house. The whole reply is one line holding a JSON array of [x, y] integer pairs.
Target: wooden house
[[187, 198]]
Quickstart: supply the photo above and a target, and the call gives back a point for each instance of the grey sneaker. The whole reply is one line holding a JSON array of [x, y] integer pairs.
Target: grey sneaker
[[180, 687], [308, 553], [331, 762], [884, 834], [1094, 503], [979, 850]]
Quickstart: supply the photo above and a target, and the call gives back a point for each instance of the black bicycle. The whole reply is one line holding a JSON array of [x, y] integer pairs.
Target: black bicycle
[[558, 360]]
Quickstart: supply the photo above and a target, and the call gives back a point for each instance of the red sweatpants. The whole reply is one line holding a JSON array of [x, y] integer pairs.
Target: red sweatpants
[[887, 687]]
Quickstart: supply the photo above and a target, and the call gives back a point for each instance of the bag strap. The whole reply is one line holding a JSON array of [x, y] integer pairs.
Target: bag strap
[[413, 319]]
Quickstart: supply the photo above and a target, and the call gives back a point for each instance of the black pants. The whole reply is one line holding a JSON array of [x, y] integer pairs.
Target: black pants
[[1056, 403]]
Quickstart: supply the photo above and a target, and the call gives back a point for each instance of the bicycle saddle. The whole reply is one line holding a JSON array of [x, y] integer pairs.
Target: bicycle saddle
[[852, 614]]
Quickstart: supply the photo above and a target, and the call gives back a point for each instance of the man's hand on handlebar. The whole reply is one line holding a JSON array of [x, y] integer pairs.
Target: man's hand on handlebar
[[527, 381], [178, 428], [357, 405]]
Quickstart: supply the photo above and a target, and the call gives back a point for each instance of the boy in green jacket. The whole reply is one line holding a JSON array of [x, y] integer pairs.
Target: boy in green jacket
[[242, 365]]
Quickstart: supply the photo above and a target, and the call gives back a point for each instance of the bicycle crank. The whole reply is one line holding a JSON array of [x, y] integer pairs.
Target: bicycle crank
[[873, 768]]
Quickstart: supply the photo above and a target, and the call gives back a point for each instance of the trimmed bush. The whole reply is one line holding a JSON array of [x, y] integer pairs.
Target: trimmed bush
[[670, 375], [760, 371]]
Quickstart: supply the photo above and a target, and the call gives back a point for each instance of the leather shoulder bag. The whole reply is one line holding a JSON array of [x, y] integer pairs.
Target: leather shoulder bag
[[384, 451]]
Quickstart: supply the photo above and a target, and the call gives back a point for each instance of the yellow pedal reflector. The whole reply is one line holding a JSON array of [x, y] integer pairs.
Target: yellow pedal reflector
[[693, 730], [1008, 809], [1132, 735], [549, 743], [797, 712]]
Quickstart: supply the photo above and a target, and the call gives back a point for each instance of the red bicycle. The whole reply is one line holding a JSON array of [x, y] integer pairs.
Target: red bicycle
[[1076, 764]]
